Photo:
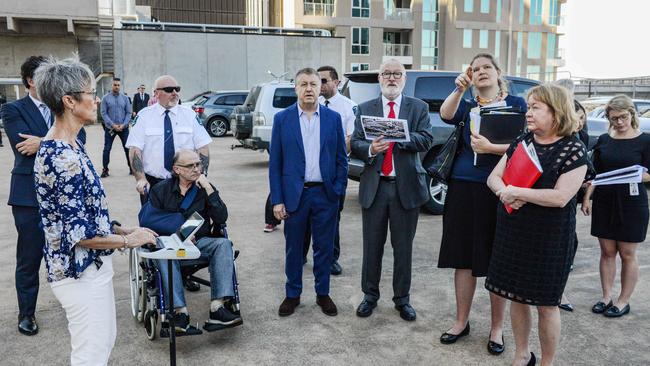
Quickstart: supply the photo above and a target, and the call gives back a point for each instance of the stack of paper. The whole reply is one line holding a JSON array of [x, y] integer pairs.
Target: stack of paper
[[523, 168], [631, 174]]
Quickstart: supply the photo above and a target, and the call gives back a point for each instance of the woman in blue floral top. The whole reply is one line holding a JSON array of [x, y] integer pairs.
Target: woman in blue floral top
[[80, 237]]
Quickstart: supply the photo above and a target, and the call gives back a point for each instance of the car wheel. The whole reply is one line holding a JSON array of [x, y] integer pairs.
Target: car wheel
[[438, 194], [217, 127]]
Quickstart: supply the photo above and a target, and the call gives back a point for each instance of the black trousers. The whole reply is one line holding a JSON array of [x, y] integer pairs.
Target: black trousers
[[109, 137], [387, 212], [29, 253]]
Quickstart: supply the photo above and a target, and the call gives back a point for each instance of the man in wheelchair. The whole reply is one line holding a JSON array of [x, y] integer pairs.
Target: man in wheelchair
[[188, 181]]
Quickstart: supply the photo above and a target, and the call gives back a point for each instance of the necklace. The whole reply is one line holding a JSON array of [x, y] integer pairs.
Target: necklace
[[483, 101]]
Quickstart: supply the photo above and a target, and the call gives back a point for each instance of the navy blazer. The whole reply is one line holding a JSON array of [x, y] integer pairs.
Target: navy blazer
[[22, 116], [287, 157]]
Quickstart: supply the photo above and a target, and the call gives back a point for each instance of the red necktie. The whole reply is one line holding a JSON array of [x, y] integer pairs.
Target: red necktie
[[387, 165]]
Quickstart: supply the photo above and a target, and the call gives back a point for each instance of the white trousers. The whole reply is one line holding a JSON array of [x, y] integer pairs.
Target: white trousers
[[89, 304]]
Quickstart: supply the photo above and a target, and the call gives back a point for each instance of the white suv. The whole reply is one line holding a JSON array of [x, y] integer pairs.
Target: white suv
[[252, 123]]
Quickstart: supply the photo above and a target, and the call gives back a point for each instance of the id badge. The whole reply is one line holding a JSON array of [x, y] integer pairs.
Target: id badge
[[634, 189]]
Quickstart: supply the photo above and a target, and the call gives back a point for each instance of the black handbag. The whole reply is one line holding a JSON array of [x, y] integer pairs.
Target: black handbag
[[440, 168]]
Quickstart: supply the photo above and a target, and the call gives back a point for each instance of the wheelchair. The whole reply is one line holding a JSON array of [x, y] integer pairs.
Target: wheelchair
[[148, 298]]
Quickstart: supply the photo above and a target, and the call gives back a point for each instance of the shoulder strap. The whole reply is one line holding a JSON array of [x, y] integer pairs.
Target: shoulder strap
[[189, 198]]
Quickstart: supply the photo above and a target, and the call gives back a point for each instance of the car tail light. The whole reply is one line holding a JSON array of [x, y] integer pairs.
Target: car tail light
[[198, 110], [259, 119]]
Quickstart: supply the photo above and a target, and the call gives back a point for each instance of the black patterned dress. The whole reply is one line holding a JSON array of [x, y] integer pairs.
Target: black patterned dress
[[534, 246]]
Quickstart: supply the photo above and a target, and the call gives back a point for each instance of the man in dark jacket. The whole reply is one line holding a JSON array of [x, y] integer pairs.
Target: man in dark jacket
[[168, 195], [140, 100]]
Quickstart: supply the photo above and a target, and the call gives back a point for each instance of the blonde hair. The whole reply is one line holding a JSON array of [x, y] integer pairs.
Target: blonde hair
[[622, 103], [501, 80], [565, 119]]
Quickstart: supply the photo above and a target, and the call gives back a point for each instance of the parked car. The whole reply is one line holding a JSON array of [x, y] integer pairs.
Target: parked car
[[195, 98], [598, 124], [214, 110], [251, 123], [432, 87]]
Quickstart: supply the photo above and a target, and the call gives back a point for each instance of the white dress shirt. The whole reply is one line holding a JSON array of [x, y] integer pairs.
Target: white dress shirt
[[147, 134], [343, 106], [310, 132], [47, 115]]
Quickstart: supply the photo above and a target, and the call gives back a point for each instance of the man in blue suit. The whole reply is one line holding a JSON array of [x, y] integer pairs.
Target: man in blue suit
[[308, 175], [26, 121]]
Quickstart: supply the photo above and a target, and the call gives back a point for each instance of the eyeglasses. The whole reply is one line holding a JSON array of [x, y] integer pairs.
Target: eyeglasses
[[197, 165], [387, 75], [622, 118], [170, 89], [324, 81], [92, 93]]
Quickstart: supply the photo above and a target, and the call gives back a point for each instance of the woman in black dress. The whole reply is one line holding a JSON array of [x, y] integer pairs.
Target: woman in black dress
[[533, 246], [620, 211]]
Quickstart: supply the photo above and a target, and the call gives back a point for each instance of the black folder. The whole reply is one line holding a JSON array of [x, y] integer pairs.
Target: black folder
[[500, 127]]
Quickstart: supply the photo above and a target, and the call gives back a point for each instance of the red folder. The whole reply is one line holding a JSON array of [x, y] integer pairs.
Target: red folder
[[522, 170]]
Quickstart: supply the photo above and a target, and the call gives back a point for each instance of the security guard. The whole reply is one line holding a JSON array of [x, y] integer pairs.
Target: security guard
[[159, 131]]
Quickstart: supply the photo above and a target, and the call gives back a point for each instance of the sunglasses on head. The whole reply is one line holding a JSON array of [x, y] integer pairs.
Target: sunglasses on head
[[170, 89]]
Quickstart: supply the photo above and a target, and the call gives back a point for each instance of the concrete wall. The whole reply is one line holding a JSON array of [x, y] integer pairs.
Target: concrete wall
[[16, 49], [49, 9], [214, 61]]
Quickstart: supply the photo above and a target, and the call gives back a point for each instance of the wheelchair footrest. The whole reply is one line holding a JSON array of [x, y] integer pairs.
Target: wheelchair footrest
[[190, 331], [211, 327]]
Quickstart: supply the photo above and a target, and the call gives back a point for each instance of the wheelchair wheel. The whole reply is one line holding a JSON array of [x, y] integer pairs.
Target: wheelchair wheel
[[135, 284], [151, 324]]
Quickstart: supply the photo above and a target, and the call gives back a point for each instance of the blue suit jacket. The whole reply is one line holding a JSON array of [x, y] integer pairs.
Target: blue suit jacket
[[287, 161], [22, 116]]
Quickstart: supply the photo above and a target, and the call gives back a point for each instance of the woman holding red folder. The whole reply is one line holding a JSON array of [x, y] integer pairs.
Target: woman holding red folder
[[533, 246], [470, 209], [620, 211]]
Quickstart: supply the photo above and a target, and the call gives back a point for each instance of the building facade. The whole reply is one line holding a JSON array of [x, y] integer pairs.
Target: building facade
[[224, 12], [442, 34]]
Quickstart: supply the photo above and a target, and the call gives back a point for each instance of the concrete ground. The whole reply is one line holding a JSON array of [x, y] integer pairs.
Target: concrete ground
[[309, 336]]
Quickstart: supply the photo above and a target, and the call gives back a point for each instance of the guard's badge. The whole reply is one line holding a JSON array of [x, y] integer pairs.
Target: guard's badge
[[135, 120]]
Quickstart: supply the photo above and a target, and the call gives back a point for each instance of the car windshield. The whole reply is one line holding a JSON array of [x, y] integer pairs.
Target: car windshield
[[201, 100], [284, 97]]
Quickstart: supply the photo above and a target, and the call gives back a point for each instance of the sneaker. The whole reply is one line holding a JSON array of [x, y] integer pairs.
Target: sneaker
[[221, 319], [183, 327], [269, 228], [104, 173]]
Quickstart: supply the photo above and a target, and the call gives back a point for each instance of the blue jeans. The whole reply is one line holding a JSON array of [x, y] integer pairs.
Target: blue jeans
[[216, 250]]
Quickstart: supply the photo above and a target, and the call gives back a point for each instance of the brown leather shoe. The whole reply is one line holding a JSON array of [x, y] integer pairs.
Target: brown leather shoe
[[327, 305], [288, 306]]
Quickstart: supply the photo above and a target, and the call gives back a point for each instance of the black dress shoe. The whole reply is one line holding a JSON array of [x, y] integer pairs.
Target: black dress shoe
[[327, 305], [104, 173], [566, 307], [191, 286], [364, 309], [495, 348], [335, 269], [288, 306], [615, 312], [27, 325], [532, 360], [600, 307], [406, 312], [448, 338]]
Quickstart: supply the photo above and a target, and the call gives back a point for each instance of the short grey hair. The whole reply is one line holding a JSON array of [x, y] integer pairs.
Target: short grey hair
[[391, 61], [56, 78], [307, 71]]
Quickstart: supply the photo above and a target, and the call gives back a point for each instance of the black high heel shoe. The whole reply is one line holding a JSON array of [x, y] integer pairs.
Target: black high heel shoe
[[494, 348], [448, 338], [532, 360]]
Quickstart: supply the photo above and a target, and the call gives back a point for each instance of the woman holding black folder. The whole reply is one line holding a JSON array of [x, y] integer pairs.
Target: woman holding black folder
[[470, 208], [620, 211], [534, 245]]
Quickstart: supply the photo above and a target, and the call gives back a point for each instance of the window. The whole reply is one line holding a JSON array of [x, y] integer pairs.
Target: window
[[519, 88], [467, 38], [483, 38], [520, 50], [497, 44], [429, 43], [485, 6], [360, 67], [284, 97], [360, 41], [430, 10], [553, 13], [434, 90], [202, 100], [550, 73], [550, 46], [535, 12], [522, 9], [533, 72], [469, 6], [498, 11], [318, 8], [220, 101], [361, 8], [234, 99], [534, 45]]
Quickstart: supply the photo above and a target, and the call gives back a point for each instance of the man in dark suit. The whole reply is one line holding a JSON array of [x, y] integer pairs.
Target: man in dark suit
[[308, 175], [26, 121], [393, 187], [140, 100]]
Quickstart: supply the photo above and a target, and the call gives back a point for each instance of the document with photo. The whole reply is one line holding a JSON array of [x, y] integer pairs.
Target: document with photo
[[630, 174], [393, 130]]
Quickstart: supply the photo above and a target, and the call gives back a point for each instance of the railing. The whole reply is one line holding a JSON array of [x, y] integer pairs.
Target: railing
[[401, 14], [208, 28], [318, 9], [394, 49]]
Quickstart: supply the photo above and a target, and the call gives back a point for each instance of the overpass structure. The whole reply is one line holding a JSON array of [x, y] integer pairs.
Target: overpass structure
[[636, 87]]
